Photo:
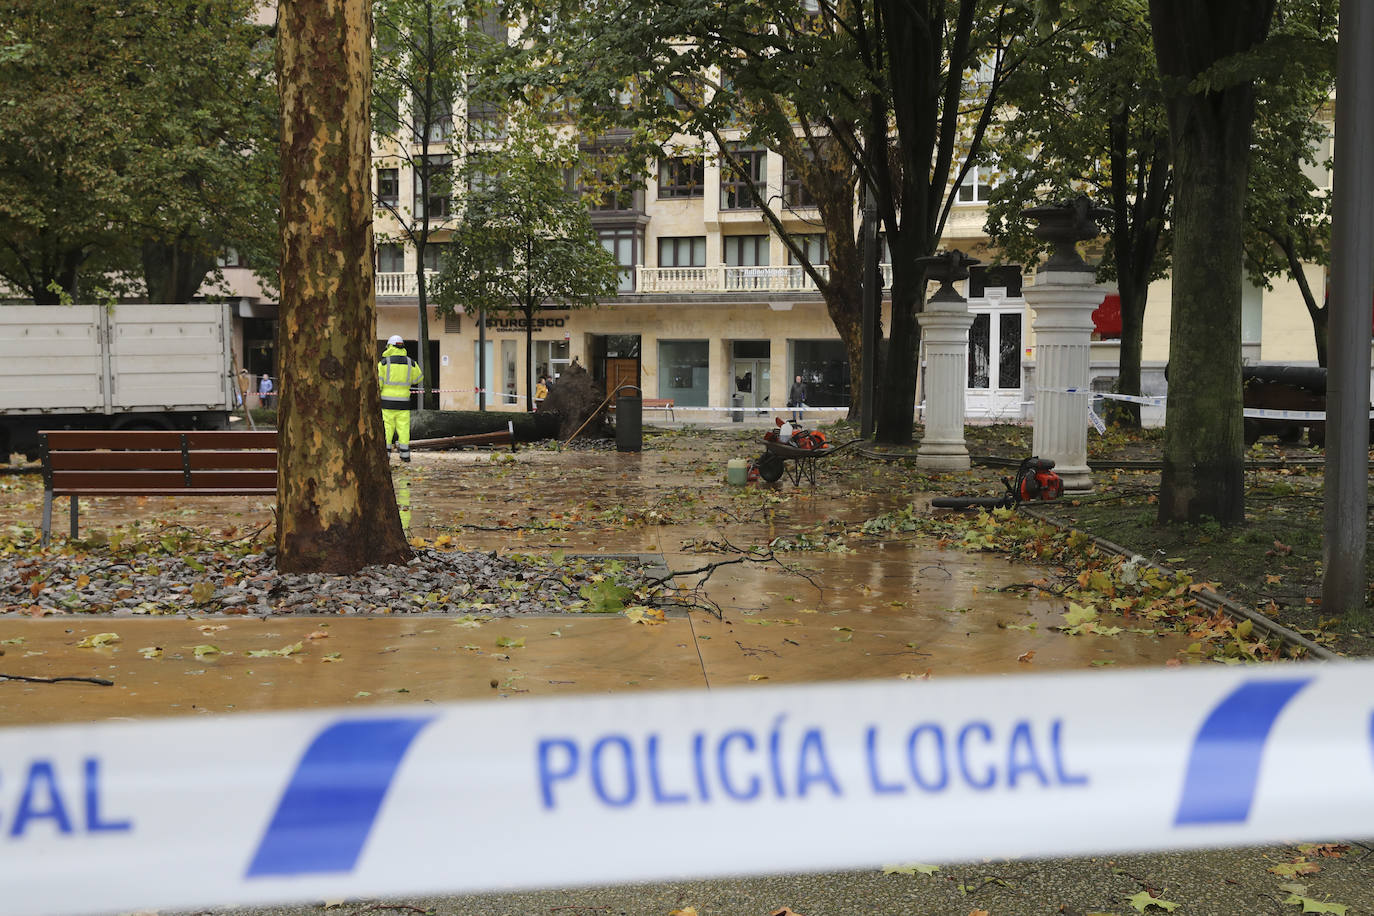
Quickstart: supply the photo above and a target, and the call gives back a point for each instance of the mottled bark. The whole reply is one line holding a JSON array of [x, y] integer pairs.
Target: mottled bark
[[336, 510]]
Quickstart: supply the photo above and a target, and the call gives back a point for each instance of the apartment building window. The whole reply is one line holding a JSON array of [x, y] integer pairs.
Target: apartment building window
[[391, 258], [748, 166], [794, 193], [624, 244], [491, 25], [481, 173], [434, 255], [485, 119], [681, 177], [439, 203], [433, 120], [979, 181], [745, 250], [605, 186], [813, 246], [231, 257], [389, 187], [682, 251]]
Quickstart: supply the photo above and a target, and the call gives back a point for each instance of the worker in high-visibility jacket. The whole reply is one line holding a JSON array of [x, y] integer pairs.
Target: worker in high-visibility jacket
[[396, 373]]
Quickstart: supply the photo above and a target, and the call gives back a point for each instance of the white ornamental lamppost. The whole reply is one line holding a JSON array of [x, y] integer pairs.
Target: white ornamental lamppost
[[944, 326], [1063, 299]]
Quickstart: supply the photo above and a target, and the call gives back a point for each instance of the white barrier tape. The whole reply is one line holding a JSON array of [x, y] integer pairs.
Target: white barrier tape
[[463, 797], [1254, 412], [1109, 395]]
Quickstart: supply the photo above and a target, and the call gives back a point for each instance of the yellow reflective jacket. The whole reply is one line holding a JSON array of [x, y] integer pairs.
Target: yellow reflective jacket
[[396, 373]]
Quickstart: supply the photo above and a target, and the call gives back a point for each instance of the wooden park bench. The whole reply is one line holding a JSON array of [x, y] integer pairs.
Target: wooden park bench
[[661, 404], [80, 463]]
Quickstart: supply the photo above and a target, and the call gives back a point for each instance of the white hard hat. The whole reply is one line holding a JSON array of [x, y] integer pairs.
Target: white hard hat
[[395, 340]]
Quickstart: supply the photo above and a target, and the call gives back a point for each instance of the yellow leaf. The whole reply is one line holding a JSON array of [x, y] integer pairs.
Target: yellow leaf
[[758, 677], [283, 651], [912, 869], [151, 651], [83, 580], [201, 592], [646, 615], [333, 657], [506, 642], [204, 650], [689, 911], [97, 640], [209, 628]]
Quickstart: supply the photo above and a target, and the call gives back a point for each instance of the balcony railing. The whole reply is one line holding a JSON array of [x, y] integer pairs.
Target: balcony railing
[[792, 278], [401, 284], [677, 280]]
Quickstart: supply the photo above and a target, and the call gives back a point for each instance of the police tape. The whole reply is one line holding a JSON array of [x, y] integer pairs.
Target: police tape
[[246, 809], [1160, 401]]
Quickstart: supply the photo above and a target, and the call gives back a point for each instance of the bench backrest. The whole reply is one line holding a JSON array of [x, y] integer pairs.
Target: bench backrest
[[96, 461]]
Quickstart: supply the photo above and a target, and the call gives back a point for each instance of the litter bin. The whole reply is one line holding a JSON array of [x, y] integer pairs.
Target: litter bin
[[629, 423], [737, 409]]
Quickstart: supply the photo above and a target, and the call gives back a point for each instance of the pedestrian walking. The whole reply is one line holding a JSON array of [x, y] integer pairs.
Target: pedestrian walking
[[796, 399], [396, 373]]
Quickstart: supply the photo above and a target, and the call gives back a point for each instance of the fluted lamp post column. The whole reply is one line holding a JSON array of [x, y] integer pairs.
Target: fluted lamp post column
[[944, 325], [1063, 299]]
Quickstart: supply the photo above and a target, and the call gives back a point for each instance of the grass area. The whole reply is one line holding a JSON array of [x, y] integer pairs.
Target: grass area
[[1272, 563]]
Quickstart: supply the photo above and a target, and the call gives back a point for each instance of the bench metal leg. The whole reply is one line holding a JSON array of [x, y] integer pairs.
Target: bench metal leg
[[47, 517], [75, 514]]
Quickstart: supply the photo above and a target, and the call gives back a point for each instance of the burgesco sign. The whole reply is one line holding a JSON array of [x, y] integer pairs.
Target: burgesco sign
[[504, 324]]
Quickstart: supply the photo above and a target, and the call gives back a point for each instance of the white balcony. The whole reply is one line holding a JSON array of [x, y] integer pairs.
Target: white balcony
[[676, 280], [792, 278], [401, 284]]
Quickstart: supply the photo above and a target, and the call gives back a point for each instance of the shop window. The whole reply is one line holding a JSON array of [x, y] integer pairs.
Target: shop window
[[684, 371], [824, 369]]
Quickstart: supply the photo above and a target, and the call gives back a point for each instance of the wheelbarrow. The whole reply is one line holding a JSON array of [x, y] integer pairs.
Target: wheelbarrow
[[799, 464]]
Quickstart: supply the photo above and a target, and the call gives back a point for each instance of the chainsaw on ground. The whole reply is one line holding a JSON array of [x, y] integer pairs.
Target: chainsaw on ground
[[1035, 479]]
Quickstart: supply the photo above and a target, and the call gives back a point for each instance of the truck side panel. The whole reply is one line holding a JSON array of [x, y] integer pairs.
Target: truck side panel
[[51, 359], [166, 358]]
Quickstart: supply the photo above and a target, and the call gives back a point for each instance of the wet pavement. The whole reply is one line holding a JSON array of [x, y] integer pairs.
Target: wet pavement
[[842, 608]]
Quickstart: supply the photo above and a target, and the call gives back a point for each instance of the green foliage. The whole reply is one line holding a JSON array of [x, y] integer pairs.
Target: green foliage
[[136, 135]]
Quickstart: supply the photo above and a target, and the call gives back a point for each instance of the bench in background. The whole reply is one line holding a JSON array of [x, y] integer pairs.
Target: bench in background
[[661, 404], [80, 463]]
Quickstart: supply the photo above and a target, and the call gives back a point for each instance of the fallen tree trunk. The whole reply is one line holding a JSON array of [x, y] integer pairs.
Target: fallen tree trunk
[[502, 437], [440, 424]]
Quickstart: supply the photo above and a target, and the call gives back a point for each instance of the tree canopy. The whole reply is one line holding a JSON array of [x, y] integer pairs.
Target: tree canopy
[[139, 140], [524, 239]]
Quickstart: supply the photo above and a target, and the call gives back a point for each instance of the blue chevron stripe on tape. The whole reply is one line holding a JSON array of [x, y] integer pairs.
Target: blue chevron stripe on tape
[[1223, 767], [332, 800]]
